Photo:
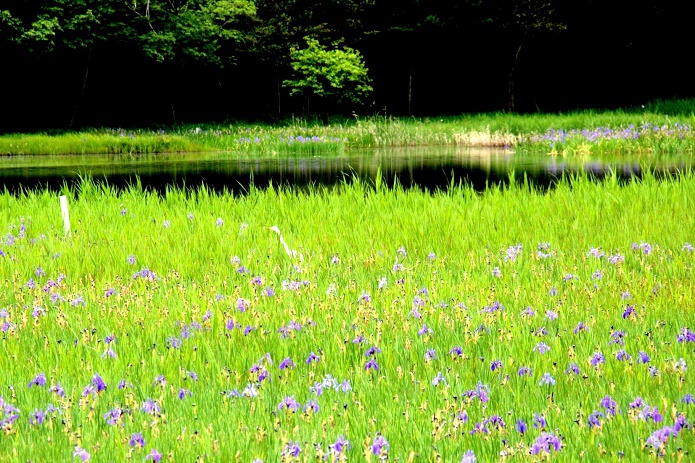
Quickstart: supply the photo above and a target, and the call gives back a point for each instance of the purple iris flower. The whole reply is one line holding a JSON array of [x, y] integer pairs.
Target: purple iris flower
[[483, 392], [594, 419], [637, 403], [311, 405], [372, 351], [545, 443], [340, 446], [680, 423], [438, 379], [597, 358], [289, 403], [480, 428], [154, 455], [547, 380], [572, 368], [430, 355], [629, 311], [122, 384], [541, 348], [456, 350], [113, 416], [242, 304], [539, 421], [151, 406], [287, 363], [610, 405], [596, 252], [528, 312], [685, 335], [468, 457], [580, 327], [380, 445], [36, 418], [98, 383], [292, 449], [659, 437], [643, 357], [521, 426], [371, 365], [39, 380], [80, 453], [136, 439], [58, 390]]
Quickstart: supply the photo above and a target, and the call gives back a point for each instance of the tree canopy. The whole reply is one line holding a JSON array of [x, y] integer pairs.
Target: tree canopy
[[104, 61], [338, 73]]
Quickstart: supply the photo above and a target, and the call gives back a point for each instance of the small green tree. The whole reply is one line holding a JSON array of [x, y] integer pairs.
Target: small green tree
[[338, 74]]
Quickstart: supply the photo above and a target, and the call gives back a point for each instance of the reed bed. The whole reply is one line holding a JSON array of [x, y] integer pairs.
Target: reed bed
[[408, 326], [662, 127]]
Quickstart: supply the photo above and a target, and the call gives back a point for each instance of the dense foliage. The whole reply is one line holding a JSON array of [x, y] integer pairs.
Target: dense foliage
[[87, 62]]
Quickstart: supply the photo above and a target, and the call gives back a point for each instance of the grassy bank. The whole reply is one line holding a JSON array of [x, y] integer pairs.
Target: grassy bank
[[509, 323], [660, 127]]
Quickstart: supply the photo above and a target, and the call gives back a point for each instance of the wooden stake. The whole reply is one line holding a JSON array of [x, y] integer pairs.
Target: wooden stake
[[66, 214]]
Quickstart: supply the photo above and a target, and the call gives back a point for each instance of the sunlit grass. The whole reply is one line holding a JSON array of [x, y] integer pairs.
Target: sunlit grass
[[558, 134], [191, 302]]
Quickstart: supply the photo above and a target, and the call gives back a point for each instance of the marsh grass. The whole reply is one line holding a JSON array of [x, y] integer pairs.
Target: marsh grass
[[192, 292], [308, 137]]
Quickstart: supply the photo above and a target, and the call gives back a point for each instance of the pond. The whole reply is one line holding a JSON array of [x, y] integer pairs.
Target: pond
[[425, 168]]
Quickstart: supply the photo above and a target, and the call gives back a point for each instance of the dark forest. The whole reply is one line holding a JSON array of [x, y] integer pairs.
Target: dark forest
[[69, 64]]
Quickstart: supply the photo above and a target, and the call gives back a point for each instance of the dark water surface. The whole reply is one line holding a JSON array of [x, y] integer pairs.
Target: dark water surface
[[424, 168]]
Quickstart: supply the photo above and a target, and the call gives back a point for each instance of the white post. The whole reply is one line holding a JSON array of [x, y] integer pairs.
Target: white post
[[66, 215]]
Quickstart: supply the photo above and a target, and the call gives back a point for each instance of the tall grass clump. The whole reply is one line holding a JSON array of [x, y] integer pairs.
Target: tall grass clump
[[407, 325], [96, 142]]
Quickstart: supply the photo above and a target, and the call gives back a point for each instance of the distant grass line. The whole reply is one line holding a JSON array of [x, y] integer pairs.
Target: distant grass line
[[571, 133]]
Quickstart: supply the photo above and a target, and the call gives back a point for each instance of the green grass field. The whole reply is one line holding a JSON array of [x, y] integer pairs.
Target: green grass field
[[512, 325], [661, 127]]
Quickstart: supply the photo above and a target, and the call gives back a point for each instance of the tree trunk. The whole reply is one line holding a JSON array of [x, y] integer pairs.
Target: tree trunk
[[84, 86], [279, 95], [410, 90], [510, 88]]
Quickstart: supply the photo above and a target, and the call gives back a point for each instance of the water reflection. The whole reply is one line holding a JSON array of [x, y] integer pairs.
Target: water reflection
[[424, 168]]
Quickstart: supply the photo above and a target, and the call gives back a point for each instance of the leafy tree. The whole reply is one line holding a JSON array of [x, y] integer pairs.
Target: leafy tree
[[165, 30], [337, 74], [283, 24], [178, 32], [196, 30]]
